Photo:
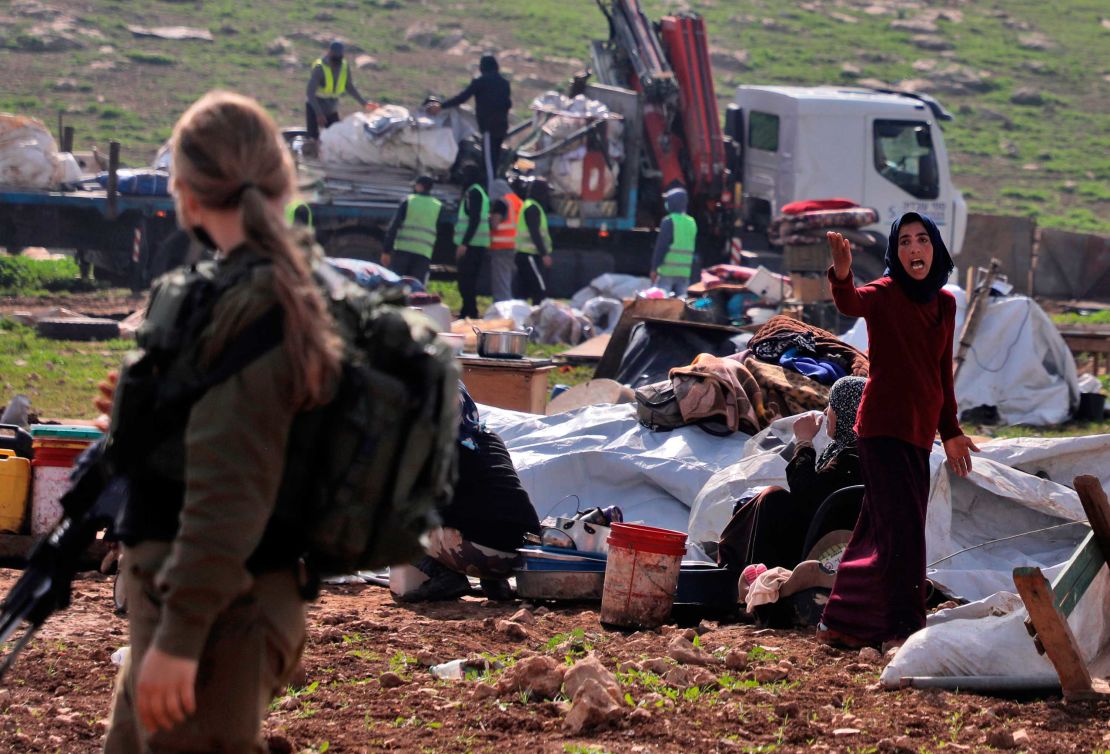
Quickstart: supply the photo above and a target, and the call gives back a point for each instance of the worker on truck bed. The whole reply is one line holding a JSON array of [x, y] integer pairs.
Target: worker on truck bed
[[472, 238], [330, 80], [533, 244], [411, 236], [492, 101], [673, 261]]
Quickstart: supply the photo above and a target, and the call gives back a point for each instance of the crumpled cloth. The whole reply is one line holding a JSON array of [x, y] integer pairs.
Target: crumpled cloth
[[780, 333], [720, 387], [824, 371], [765, 589]]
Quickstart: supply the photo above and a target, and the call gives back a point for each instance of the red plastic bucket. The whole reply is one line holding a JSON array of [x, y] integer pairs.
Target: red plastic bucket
[[641, 575], [52, 464]]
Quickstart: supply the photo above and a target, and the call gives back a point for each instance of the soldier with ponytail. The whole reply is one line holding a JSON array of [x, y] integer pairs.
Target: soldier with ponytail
[[213, 587]]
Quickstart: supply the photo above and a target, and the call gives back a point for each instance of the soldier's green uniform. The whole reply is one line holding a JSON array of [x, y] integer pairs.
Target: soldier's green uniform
[[190, 589]]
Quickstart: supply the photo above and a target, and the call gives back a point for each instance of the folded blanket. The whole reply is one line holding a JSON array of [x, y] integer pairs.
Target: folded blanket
[[715, 387], [780, 333], [785, 392]]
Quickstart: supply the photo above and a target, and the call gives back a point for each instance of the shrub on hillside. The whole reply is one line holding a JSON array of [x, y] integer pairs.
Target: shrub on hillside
[[23, 274]]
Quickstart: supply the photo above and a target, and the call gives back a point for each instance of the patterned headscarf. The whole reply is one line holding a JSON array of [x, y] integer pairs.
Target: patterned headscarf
[[844, 398]]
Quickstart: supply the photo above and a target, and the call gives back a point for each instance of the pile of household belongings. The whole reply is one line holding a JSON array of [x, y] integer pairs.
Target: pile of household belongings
[[393, 136], [787, 369], [805, 223], [29, 157], [578, 145]]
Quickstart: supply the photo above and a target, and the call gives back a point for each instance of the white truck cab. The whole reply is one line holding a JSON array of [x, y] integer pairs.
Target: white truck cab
[[881, 149]]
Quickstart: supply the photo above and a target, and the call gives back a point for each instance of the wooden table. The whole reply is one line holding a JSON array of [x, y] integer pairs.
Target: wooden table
[[1093, 341], [517, 384]]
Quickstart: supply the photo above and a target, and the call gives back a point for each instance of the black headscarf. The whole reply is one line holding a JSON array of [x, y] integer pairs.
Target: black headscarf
[[921, 291], [844, 397]]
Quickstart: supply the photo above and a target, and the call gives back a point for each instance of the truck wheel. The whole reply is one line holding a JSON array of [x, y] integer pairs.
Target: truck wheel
[[78, 328]]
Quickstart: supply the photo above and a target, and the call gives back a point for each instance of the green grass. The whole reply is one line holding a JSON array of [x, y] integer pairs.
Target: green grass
[[20, 276], [1101, 317], [59, 377]]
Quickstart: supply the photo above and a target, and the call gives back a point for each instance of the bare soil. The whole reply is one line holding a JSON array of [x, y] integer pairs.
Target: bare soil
[[113, 303], [56, 697]]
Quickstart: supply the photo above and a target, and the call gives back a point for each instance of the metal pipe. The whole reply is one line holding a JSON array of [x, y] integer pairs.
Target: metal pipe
[[67, 139], [113, 178], [982, 682]]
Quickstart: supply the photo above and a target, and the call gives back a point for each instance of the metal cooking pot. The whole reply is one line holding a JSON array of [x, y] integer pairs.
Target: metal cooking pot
[[502, 344]]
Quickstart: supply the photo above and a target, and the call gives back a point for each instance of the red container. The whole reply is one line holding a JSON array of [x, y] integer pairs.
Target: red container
[[641, 575]]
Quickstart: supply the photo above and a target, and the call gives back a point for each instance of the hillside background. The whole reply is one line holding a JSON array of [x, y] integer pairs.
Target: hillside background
[[1027, 80]]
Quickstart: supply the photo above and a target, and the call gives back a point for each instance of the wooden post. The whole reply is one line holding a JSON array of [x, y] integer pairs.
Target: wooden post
[[977, 307], [67, 139], [61, 124], [1097, 508], [1054, 634], [113, 178]]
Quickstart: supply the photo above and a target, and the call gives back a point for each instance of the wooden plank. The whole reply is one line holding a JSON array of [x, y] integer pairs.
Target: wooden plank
[[1054, 634], [589, 350], [1097, 507], [1071, 583]]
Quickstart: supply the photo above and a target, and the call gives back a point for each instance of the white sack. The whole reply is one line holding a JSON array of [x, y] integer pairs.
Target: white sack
[[389, 136], [28, 154], [556, 322], [515, 309], [604, 313], [610, 285]]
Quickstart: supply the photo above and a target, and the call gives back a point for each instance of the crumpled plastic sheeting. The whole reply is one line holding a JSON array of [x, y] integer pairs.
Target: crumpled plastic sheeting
[[604, 313], [390, 136], [610, 285], [556, 322], [28, 155], [560, 116]]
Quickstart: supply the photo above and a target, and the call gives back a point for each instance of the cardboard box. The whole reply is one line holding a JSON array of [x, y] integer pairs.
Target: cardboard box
[[810, 288], [809, 258]]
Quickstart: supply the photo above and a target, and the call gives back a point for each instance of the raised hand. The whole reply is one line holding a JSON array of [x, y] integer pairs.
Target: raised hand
[[841, 251]]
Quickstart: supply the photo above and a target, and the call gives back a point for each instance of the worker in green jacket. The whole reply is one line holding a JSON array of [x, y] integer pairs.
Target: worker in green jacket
[[673, 261], [533, 246], [298, 214], [411, 236], [471, 239], [330, 80]]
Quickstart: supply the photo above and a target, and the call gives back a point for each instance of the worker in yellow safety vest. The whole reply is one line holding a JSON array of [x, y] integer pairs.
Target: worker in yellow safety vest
[[673, 260], [504, 218], [533, 245], [330, 80], [411, 236], [472, 238], [298, 214]]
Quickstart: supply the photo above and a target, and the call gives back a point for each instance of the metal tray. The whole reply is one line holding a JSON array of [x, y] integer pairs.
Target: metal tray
[[560, 585]]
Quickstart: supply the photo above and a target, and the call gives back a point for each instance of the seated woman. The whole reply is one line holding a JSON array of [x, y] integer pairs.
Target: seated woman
[[483, 525], [771, 527]]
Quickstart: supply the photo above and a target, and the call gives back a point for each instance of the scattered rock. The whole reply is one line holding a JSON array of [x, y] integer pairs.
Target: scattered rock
[[843, 18], [850, 70], [512, 630], [593, 708], [65, 85], [788, 709], [367, 62], [770, 674], [656, 665], [338, 619], [426, 34], [331, 635], [482, 691], [843, 732], [736, 660], [1021, 738], [870, 654], [928, 42], [280, 46], [541, 611], [324, 16], [681, 650], [1008, 148], [686, 676], [1036, 66], [390, 680], [523, 617], [995, 116], [899, 745], [924, 65], [173, 33], [426, 658], [878, 10], [919, 25], [540, 676], [640, 715], [58, 35], [629, 666], [590, 669], [1027, 96], [1035, 41]]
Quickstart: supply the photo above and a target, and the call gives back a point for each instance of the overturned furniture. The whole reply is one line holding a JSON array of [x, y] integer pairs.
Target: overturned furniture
[[1050, 604]]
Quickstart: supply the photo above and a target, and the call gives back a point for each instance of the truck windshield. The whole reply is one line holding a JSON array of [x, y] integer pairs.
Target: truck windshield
[[763, 131], [904, 155]]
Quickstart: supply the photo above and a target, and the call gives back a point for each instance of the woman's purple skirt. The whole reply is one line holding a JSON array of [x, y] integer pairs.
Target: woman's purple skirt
[[879, 594]]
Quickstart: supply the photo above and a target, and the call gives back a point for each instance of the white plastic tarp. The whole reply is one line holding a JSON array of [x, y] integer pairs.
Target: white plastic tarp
[[391, 136], [1018, 362], [28, 154], [689, 480]]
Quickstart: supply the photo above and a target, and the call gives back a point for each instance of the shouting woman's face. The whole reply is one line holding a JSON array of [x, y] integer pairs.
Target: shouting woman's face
[[915, 250]]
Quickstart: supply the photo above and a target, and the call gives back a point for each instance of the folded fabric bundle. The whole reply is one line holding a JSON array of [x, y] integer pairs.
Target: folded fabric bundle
[[824, 371], [715, 387], [780, 333], [786, 392]]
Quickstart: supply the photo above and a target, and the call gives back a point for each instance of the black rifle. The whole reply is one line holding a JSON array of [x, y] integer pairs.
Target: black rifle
[[89, 505]]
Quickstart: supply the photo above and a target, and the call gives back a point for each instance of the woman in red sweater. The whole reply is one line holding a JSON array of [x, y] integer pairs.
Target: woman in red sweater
[[879, 595]]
